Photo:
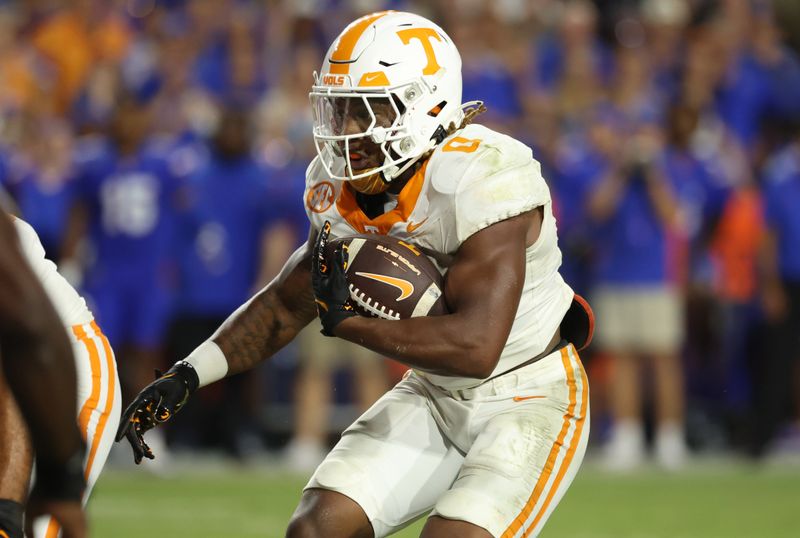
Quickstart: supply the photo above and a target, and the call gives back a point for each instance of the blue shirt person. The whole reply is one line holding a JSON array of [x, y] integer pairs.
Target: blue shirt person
[[125, 207]]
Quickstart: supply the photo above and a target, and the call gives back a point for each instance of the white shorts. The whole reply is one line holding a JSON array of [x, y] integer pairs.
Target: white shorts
[[99, 407], [499, 456]]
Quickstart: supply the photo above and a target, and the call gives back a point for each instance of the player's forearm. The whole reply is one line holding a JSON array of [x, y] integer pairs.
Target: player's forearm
[[445, 345], [262, 326], [258, 330]]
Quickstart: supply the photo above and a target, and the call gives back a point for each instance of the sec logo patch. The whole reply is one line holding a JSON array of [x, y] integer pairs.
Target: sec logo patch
[[321, 197]]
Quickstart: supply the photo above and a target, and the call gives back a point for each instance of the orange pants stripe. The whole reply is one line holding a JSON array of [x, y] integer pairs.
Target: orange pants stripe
[[96, 369], [570, 418]]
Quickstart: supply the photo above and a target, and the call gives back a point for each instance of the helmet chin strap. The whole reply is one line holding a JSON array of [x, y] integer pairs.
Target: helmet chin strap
[[379, 181], [396, 170]]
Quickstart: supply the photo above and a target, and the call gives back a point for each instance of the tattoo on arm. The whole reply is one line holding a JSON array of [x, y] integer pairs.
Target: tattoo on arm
[[272, 318]]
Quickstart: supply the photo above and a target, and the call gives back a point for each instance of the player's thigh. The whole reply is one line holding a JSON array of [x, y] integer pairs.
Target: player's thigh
[[524, 459], [393, 461]]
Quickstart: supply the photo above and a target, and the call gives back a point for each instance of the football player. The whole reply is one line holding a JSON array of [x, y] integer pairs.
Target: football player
[[489, 427], [38, 368], [98, 393]]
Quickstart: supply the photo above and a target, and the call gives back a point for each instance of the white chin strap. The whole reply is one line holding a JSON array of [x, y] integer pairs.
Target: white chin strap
[[394, 171]]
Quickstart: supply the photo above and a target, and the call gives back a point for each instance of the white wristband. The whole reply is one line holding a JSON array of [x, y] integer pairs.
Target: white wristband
[[209, 362]]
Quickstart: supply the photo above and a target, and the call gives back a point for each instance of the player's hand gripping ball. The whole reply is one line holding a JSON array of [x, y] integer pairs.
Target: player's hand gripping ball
[[389, 278], [328, 265]]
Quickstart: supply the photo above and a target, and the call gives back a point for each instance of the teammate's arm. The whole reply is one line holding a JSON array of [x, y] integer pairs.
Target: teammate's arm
[[483, 289], [38, 366]]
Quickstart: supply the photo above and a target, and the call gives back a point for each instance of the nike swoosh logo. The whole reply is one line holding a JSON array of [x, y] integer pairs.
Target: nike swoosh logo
[[523, 398], [406, 288], [371, 76], [412, 226]]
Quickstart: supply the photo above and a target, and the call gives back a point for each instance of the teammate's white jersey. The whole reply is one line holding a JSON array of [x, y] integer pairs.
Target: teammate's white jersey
[[475, 178], [98, 391], [69, 304]]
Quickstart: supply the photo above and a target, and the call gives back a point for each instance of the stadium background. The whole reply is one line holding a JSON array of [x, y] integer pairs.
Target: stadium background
[[216, 90]]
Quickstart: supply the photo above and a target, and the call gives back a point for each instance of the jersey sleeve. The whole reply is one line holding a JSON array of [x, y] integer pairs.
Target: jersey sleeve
[[31, 247], [68, 303], [502, 183]]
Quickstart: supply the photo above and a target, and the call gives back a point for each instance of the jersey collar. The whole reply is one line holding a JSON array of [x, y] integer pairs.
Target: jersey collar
[[406, 202]]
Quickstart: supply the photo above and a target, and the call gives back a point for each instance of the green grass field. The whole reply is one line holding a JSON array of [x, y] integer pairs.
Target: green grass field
[[708, 501]]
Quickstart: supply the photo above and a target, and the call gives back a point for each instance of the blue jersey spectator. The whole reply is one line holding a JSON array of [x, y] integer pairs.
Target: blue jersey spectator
[[228, 209], [44, 188], [221, 238], [633, 208], [128, 191], [44, 201]]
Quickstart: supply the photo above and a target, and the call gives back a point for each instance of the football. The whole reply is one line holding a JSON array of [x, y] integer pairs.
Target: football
[[390, 278]]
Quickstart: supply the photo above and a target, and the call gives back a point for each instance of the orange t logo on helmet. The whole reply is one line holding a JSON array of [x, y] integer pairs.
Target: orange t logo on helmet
[[410, 92], [424, 35]]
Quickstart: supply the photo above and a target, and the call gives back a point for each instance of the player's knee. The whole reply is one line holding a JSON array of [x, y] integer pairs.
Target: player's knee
[[326, 514], [303, 526]]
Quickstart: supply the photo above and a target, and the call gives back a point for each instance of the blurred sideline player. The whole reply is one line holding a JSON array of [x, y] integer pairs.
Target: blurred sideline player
[[220, 252], [38, 369], [124, 206], [490, 427], [319, 359], [98, 391]]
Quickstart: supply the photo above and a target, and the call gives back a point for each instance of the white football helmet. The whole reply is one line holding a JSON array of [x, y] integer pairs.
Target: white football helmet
[[400, 65]]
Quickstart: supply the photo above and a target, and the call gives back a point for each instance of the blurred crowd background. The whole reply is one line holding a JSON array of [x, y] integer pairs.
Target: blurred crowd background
[[159, 148]]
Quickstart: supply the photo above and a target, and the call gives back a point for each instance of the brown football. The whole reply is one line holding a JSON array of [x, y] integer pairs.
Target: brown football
[[390, 278]]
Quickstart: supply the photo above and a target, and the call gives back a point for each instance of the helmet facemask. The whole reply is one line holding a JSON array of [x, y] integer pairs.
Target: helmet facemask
[[366, 137]]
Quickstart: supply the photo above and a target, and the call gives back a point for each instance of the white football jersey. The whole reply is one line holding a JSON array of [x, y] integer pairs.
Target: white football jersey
[[475, 178], [69, 304]]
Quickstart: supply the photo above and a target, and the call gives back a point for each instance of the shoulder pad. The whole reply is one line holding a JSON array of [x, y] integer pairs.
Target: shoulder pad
[[474, 152]]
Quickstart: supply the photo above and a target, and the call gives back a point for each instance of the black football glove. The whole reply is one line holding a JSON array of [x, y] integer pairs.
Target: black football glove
[[331, 291], [156, 404]]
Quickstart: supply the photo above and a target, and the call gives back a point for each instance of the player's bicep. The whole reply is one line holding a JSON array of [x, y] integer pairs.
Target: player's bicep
[[485, 282], [271, 318]]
